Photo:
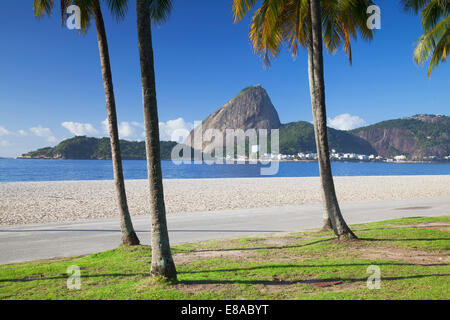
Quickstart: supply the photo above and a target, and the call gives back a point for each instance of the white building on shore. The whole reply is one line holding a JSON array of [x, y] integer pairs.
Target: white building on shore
[[400, 158]]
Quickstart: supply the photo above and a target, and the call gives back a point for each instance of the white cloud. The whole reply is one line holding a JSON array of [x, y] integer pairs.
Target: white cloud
[[4, 143], [173, 129], [40, 131], [346, 122], [126, 130], [134, 129], [105, 126], [4, 132], [18, 142], [138, 124], [80, 129], [46, 133]]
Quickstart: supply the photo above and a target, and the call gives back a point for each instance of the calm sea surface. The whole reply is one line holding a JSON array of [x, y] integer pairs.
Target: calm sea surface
[[60, 170]]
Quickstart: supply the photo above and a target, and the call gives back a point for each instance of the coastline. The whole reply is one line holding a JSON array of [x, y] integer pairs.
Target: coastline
[[63, 201], [246, 161]]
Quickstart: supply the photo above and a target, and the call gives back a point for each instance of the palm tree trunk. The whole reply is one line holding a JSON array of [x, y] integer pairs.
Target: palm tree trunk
[[129, 236], [332, 213], [162, 262]]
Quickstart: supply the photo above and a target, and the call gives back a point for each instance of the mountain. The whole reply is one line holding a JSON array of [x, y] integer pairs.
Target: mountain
[[416, 137], [85, 148], [250, 109], [299, 136], [253, 109]]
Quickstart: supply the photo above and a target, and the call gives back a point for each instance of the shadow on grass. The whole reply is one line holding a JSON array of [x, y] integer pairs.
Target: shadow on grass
[[278, 282], [402, 239], [264, 248], [400, 227], [368, 263], [120, 275], [316, 282], [254, 282], [313, 243]]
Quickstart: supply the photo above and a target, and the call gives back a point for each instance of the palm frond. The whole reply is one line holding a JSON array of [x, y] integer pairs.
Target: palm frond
[[434, 11], [433, 43], [42, 7], [118, 8], [160, 11], [241, 8], [342, 21], [266, 33], [414, 5]]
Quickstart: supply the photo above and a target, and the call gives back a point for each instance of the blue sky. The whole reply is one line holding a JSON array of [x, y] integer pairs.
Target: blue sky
[[51, 86]]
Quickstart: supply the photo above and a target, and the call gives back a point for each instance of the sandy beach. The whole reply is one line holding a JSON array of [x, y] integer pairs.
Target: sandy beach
[[44, 202]]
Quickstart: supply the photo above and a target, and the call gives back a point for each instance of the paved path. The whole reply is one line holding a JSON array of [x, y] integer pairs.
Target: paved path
[[32, 242]]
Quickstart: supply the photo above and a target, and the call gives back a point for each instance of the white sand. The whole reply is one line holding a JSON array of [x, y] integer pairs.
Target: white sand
[[42, 202]]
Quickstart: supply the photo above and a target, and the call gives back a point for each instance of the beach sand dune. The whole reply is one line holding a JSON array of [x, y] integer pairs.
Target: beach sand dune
[[44, 202]]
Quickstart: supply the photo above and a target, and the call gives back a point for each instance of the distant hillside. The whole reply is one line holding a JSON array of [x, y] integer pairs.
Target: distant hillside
[[417, 137], [85, 148], [298, 137], [253, 109]]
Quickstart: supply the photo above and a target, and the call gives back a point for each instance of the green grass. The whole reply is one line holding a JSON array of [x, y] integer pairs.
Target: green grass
[[303, 265]]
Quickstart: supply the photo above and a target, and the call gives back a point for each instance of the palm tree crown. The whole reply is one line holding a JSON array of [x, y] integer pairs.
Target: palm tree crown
[[434, 43], [117, 7], [279, 22]]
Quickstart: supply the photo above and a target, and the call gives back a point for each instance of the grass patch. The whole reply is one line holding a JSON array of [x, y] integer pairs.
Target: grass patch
[[412, 253]]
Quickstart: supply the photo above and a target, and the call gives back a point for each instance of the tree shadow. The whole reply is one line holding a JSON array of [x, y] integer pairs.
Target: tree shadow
[[65, 277], [399, 227], [264, 248], [284, 266], [316, 282], [402, 239]]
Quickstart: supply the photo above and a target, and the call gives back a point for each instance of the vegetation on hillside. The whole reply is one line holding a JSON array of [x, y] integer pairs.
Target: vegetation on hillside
[[428, 130], [298, 137], [82, 147]]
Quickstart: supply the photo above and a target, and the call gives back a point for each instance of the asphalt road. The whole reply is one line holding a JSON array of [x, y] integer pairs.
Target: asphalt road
[[32, 242]]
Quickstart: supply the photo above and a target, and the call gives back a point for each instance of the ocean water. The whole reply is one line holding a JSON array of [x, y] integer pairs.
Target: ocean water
[[12, 170]]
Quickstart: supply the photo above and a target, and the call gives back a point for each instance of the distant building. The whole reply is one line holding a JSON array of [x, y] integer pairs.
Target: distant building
[[362, 157], [400, 158]]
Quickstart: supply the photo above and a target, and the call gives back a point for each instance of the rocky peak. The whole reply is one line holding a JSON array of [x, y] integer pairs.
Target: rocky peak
[[250, 109]]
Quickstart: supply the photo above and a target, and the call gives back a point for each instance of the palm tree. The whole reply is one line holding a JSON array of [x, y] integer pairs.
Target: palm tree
[[308, 23], [89, 9], [434, 43], [156, 11]]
